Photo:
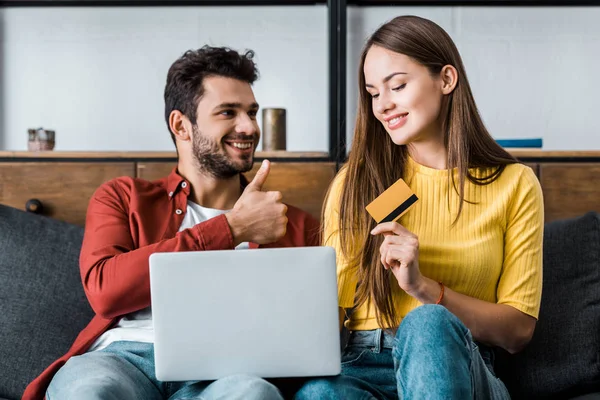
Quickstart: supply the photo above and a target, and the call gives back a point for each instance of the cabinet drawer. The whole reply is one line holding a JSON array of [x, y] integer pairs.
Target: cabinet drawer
[[570, 189], [154, 170], [535, 167], [302, 184], [62, 188]]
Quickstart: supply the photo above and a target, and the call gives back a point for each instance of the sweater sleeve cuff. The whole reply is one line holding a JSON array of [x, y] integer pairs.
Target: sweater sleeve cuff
[[215, 234]]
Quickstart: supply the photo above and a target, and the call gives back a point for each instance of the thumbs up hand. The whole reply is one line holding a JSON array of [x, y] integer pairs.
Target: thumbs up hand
[[258, 216], [260, 177]]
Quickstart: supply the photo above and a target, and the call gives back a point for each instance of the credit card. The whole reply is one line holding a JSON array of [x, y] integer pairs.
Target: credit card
[[393, 203]]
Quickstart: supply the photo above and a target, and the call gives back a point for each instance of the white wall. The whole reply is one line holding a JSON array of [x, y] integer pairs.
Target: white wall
[[97, 75], [533, 70]]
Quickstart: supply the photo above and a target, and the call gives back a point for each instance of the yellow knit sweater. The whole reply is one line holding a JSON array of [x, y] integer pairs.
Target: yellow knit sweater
[[493, 253]]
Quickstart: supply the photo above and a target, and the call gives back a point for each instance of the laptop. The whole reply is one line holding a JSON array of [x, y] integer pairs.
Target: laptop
[[265, 312]]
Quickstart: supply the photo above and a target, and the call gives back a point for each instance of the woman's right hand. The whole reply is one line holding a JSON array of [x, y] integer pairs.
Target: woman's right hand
[[400, 253]]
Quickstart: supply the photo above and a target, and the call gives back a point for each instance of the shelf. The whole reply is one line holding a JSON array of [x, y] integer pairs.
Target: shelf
[[292, 155], [538, 155], [148, 155], [533, 155], [281, 156], [146, 3], [514, 3]]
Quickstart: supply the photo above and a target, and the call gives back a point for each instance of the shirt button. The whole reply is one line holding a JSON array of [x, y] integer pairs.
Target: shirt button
[[184, 185], [178, 211], [170, 194]]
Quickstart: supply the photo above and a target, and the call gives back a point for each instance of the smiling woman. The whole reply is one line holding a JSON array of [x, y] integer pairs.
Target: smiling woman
[[414, 90], [427, 297]]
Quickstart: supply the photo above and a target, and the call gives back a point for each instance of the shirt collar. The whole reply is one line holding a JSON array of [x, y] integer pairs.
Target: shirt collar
[[176, 182]]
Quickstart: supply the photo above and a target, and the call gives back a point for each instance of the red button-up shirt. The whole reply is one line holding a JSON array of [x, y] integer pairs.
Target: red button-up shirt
[[127, 220]]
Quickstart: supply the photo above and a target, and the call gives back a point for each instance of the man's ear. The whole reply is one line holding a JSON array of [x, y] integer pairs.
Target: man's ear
[[180, 125], [449, 79]]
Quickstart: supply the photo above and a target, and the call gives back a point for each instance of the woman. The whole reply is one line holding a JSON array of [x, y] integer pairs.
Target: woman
[[461, 272]]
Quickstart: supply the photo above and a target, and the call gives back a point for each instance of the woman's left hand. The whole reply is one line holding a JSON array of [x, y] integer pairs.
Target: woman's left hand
[[400, 253]]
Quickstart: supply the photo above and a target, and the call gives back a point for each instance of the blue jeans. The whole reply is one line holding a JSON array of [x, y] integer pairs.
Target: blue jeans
[[432, 356], [125, 370]]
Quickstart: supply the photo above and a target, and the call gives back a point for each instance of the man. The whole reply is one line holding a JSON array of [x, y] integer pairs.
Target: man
[[204, 204]]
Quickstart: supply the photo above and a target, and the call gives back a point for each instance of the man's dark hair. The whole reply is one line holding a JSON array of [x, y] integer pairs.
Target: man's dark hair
[[185, 79]]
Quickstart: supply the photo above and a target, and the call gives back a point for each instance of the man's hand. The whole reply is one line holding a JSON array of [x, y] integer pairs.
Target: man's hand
[[258, 216]]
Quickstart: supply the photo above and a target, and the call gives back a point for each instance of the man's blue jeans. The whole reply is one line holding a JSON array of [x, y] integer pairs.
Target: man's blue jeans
[[125, 370], [432, 356]]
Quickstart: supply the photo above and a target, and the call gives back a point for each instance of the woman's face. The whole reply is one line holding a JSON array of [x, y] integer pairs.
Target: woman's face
[[406, 98]]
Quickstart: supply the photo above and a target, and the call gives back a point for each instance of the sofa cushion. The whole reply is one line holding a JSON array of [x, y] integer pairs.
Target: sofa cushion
[[563, 358], [590, 396], [42, 303]]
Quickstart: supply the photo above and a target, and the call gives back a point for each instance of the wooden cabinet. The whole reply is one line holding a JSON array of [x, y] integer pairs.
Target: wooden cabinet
[[570, 189], [60, 190], [153, 170], [59, 185], [302, 184], [64, 182], [535, 167]]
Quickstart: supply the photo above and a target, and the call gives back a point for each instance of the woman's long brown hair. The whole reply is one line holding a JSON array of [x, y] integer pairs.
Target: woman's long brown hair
[[375, 162]]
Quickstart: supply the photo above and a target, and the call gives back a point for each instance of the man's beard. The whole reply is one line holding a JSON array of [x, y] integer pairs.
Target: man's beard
[[209, 158]]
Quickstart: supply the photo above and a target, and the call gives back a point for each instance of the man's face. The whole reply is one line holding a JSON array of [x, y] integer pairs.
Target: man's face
[[226, 133]]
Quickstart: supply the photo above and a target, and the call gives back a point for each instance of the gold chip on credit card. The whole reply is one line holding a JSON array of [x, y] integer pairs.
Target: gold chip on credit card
[[393, 203]]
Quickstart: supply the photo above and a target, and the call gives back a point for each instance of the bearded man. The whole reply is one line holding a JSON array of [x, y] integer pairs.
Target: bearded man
[[204, 204]]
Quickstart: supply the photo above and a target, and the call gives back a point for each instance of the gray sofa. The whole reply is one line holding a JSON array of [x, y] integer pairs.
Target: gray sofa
[[43, 307]]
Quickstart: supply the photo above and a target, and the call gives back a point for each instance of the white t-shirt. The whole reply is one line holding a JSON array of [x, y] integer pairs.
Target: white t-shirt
[[137, 326]]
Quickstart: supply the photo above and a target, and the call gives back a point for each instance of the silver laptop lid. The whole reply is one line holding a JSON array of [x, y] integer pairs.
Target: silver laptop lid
[[263, 312]]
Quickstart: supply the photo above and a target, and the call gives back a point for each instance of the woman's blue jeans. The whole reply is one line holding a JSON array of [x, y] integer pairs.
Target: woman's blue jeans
[[432, 356]]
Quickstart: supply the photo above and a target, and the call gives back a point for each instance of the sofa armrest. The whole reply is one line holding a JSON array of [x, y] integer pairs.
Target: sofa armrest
[[42, 300]]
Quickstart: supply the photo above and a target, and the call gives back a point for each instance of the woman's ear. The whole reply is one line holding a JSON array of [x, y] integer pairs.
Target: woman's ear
[[180, 125], [449, 79]]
